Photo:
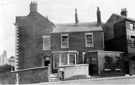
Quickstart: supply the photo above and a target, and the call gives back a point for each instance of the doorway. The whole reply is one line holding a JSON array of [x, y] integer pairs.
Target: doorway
[[93, 67]]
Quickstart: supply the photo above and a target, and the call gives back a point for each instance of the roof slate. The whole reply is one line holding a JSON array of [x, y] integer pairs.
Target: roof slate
[[81, 27]]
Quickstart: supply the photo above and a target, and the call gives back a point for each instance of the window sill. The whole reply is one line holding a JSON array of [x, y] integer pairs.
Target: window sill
[[107, 69], [46, 49], [117, 69]]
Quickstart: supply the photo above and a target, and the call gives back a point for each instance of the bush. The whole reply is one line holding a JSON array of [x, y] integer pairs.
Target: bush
[[6, 68]]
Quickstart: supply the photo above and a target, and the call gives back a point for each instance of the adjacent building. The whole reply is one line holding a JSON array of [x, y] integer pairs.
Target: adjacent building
[[32, 31], [120, 36]]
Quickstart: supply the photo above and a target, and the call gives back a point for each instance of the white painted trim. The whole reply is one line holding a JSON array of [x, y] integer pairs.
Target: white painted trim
[[68, 61]]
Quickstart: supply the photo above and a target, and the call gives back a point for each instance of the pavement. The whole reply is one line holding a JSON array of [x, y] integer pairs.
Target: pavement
[[95, 80]]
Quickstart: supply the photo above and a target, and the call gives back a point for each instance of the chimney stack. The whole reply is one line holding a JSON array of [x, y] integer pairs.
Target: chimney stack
[[33, 7], [98, 16], [76, 17], [124, 12]]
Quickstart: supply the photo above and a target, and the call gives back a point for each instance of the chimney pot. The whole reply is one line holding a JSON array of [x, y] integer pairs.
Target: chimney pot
[[124, 12], [98, 16], [76, 17]]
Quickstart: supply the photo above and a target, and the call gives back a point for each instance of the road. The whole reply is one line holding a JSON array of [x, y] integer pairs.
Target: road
[[101, 81]]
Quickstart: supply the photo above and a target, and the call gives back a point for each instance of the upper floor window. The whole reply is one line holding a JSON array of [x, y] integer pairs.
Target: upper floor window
[[132, 41], [46, 42], [89, 40], [64, 41], [131, 26]]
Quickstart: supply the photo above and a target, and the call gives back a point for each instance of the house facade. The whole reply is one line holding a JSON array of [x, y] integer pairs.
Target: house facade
[[70, 42], [32, 31], [120, 36]]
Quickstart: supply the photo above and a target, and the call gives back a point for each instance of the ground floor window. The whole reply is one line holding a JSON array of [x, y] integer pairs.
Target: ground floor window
[[118, 63], [64, 59], [107, 63]]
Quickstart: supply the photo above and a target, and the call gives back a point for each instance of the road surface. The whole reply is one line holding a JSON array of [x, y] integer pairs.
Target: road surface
[[100, 81]]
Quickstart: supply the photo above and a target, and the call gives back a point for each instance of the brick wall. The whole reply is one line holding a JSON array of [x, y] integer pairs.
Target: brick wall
[[31, 30], [34, 75], [77, 41], [7, 78]]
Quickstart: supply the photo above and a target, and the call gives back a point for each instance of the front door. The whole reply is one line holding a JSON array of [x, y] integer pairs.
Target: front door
[[93, 67]]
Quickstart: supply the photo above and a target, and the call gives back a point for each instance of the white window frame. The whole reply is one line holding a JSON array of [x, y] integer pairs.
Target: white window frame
[[46, 36], [69, 58], [67, 41], [86, 45], [54, 60], [68, 61], [131, 25]]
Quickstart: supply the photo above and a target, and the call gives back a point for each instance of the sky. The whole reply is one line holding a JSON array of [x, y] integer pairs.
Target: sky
[[58, 11]]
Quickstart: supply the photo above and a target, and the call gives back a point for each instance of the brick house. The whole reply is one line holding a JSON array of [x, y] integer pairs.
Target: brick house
[[71, 41], [120, 36], [31, 32], [74, 44]]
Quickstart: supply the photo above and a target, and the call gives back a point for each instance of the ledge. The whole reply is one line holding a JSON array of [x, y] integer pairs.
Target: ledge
[[28, 69]]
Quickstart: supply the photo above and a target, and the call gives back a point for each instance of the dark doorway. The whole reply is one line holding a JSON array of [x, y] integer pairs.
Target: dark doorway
[[126, 67], [93, 68], [46, 62]]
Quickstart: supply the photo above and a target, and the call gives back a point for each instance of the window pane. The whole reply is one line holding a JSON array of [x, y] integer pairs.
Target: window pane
[[118, 62], [46, 42], [72, 59], [131, 26], [64, 59], [64, 41], [107, 62], [56, 61], [89, 41], [132, 41]]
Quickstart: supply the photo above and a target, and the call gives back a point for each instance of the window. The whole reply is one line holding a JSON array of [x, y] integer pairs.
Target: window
[[46, 42], [72, 59], [56, 61], [64, 41], [131, 26], [118, 63], [64, 60], [132, 41], [107, 64], [89, 39]]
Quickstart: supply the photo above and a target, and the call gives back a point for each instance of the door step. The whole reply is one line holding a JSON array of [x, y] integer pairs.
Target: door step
[[53, 77]]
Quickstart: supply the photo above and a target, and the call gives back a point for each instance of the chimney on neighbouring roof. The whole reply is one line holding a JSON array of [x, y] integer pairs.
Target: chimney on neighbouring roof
[[33, 7], [124, 12], [98, 16], [76, 17]]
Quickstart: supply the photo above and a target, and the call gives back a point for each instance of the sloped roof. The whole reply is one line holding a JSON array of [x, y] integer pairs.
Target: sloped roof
[[80, 27], [120, 18], [20, 19]]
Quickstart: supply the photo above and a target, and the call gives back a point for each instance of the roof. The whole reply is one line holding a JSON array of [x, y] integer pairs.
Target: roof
[[121, 18], [80, 27], [21, 19]]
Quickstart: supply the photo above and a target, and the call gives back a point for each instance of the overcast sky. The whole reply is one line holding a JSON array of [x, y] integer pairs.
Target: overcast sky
[[58, 11]]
